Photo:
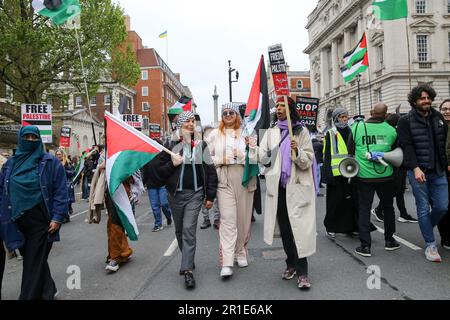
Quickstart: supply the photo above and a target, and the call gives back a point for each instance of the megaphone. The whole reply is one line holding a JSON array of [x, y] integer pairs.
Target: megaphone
[[395, 157], [349, 168]]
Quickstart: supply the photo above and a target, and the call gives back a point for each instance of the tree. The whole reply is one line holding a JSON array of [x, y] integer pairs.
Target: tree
[[36, 55]]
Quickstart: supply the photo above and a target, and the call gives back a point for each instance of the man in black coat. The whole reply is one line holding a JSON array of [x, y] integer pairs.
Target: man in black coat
[[422, 134]]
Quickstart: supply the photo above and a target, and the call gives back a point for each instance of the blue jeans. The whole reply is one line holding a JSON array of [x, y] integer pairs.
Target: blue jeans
[[85, 188], [434, 191], [158, 200]]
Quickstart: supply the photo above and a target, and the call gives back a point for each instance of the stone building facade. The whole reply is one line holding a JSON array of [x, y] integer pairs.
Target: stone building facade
[[336, 26]]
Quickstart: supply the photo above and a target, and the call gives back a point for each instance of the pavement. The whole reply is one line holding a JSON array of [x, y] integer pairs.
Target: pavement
[[336, 272]]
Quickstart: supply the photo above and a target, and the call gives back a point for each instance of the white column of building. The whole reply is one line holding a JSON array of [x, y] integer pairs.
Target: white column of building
[[335, 64], [323, 71], [347, 40]]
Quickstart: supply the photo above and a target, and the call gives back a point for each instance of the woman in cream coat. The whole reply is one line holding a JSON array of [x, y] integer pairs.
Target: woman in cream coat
[[227, 146], [290, 197]]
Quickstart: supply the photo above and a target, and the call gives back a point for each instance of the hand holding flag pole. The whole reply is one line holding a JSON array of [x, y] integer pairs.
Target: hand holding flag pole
[[291, 133]]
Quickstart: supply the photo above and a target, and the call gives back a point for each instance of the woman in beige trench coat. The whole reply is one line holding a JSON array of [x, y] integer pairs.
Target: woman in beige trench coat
[[290, 196]]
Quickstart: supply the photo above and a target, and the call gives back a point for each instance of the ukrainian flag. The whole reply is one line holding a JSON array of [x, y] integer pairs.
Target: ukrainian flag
[[163, 35]]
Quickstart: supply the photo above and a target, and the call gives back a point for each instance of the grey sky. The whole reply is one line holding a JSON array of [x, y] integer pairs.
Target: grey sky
[[204, 35]]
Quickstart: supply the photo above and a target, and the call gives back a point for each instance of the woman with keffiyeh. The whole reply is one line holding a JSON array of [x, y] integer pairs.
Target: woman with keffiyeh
[[290, 196], [191, 180], [341, 200]]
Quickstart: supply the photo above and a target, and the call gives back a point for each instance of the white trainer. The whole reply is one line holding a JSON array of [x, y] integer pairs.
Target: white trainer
[[242, 262], [432, 254], [226, 272]]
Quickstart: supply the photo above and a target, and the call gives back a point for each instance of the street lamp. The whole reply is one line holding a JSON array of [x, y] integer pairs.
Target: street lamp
[[230, 82]]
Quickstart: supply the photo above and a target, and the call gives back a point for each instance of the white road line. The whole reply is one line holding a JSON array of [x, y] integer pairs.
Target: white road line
[[402, 241], [171, 249], [78, 214]]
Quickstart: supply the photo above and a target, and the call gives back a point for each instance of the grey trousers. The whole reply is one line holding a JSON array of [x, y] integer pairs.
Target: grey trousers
[[185, 206], [214, 209]]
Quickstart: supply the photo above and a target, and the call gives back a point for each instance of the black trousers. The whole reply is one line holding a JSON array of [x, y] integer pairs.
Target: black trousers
[[37, 282], [366, 192], [287, 237], [2, 264]]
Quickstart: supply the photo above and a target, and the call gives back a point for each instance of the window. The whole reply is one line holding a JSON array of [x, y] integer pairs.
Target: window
[[93, 101], [107, 99], [381, 56], [378, 95], [353, 105], [448, 6], [9, 93], [449, 45], [78, 101], [144, 75], [145, 106], [145, 123], [422, 48], [421, 6], [299, 84], [145, 91]]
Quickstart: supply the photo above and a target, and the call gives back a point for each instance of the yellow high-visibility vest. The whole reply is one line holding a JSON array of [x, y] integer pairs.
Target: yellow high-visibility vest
[[338, 151]]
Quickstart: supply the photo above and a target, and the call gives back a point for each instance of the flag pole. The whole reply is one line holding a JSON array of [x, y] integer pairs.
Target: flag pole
[[85, 85], [288, 114], [409, 53], [358, 79]]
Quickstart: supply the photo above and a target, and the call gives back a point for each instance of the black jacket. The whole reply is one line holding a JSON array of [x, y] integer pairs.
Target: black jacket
[[417, 137], [318, 150], [165, 173]]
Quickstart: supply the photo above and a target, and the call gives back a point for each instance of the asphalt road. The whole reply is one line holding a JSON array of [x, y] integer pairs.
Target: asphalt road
[[152, 273]]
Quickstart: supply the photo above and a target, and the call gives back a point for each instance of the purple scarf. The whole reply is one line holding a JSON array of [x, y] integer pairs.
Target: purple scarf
[[285, 150]]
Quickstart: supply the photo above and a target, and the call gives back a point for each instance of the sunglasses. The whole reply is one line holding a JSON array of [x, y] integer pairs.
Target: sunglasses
[[228, 113]]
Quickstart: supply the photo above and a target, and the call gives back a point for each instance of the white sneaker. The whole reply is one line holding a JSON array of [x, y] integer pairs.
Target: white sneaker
[[226, 272], [432, 254], [242, 262], [112, 266]]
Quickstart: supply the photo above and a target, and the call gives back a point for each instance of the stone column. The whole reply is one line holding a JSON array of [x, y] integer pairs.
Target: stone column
[[347, 40], [335, 64], [323, 72], [216, 106]]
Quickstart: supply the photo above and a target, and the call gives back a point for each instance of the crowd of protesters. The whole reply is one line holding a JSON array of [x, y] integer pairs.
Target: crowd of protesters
[[203, 173]]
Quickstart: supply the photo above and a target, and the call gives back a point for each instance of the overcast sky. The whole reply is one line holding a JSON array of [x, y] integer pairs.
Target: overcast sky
[[204, 34]]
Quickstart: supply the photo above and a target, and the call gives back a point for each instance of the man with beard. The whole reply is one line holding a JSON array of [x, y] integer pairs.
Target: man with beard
[[341, 204], [422, 133]]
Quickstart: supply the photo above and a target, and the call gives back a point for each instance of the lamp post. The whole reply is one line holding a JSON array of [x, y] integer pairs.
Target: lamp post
[[230, 81]]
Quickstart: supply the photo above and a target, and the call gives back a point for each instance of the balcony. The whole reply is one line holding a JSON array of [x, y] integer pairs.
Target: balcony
[[424, 65]]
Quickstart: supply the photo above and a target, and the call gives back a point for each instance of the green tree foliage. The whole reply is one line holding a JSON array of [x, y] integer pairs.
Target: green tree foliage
[[35, 55]]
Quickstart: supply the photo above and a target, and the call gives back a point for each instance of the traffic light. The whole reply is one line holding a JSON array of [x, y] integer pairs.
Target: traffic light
[[52, 4]]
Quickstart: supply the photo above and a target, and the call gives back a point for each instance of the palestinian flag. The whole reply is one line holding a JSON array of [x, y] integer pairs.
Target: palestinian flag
[[390, 9], [59, 11], [257, 115], [184, 104], [357, 53], [358, 67], [127, 150]]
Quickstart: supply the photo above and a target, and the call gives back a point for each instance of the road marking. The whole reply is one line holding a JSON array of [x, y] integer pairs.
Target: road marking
[[171, 249], [402, 241], [78, 214]]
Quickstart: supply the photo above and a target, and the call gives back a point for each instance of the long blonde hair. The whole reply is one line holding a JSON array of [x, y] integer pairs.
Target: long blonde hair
[[237, 124], [64, 154]]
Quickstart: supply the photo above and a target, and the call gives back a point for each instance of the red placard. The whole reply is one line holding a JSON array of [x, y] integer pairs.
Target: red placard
[[64, 140], [278, 69]]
